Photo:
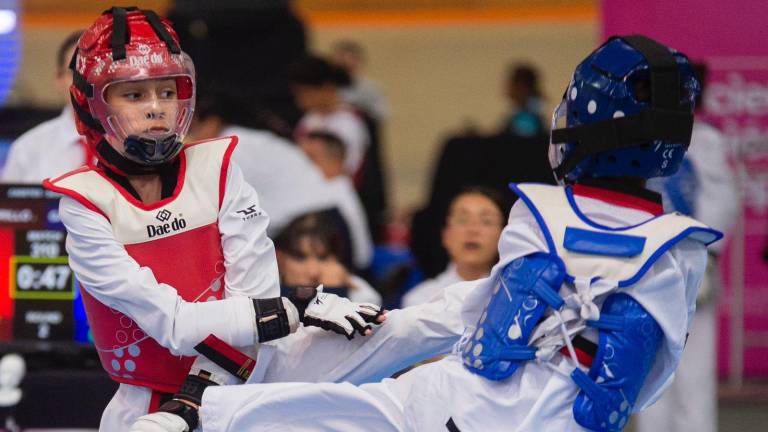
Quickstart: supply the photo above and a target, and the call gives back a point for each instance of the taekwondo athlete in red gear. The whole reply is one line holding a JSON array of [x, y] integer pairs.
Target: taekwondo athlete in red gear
[[583, 320], [167, 241]]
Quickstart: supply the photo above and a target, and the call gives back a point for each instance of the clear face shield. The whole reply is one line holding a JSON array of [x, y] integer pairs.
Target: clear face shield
[[149, 117], [144, 102], [557, 151]]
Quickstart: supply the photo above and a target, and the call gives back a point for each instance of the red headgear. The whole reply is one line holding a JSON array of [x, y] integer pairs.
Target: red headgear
[[127, 44]]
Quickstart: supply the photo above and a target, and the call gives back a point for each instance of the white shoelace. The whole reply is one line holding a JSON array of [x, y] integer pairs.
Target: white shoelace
[[558, 330]]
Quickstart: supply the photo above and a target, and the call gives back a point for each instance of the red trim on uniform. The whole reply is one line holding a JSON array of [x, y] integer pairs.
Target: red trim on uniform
[[584, 358], [618, 198], [72, 194], [225, 168], [69, 174], [136, 203]]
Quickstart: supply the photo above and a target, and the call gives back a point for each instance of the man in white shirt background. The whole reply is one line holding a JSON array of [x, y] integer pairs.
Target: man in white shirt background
[[327, 151], [54, 146]]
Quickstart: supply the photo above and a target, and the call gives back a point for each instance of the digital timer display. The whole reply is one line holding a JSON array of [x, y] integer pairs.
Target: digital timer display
[[39, 299], [41, 278]]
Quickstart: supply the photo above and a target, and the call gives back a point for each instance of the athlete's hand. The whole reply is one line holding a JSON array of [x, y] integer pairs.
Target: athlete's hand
[[338, 314], [160, 422]]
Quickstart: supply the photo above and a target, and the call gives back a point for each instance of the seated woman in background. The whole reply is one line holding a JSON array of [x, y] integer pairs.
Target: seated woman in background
[[472, 229], [312, 251]]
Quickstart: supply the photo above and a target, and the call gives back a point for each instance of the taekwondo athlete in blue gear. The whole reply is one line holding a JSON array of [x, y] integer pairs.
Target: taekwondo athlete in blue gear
[[628, 114]]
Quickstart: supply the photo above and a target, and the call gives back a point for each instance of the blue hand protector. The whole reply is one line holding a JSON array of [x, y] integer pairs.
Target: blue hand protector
[[629, 341], [525, 288]]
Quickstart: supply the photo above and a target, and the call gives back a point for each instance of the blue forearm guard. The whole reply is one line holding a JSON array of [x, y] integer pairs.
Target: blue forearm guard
[[629, 341], [525, 288]]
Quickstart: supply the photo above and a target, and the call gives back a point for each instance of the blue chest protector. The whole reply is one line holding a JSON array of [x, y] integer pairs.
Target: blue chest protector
[[530, 286]]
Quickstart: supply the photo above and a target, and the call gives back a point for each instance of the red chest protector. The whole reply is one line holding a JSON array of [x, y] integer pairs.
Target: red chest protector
[[177, 238]]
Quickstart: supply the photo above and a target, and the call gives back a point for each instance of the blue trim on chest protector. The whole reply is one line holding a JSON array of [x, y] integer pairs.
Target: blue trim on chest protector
[[602, 243]]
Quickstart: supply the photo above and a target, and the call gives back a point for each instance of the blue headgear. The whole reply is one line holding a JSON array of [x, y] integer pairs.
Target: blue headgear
[[628, 112]]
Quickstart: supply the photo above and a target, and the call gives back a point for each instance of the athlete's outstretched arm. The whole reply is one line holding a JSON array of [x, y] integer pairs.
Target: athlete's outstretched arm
[[408, 336]]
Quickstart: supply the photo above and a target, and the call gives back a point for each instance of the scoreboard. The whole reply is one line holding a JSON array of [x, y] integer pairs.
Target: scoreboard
[[39, 294]]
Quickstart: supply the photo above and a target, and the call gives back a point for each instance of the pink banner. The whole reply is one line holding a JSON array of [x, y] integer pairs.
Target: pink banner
[[732, 39]]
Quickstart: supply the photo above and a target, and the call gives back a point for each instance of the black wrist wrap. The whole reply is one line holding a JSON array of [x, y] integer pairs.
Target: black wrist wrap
[[193, 388], [191, 391], [186, 412], [271, 319]]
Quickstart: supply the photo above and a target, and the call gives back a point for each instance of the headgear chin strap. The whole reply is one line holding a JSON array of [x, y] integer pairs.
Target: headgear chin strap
[[666, 119], [152, 151]]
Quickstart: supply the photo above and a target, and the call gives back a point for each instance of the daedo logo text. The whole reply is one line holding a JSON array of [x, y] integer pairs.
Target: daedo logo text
[[169, 226]]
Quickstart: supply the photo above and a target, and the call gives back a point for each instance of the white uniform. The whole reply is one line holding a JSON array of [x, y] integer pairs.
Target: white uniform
[[47, 150], [290, 185], [691, 401], [347, 126], [361, 291], [114, 278], [535, 398], [431, 289]]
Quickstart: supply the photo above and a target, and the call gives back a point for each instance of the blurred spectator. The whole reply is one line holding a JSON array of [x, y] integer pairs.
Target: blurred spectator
[[287, 182], [315, 83], [704, 188], [522, 90], [327, 152], [493, 162], [310, 252], [362, 92], [54, 146], [470, 235]]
